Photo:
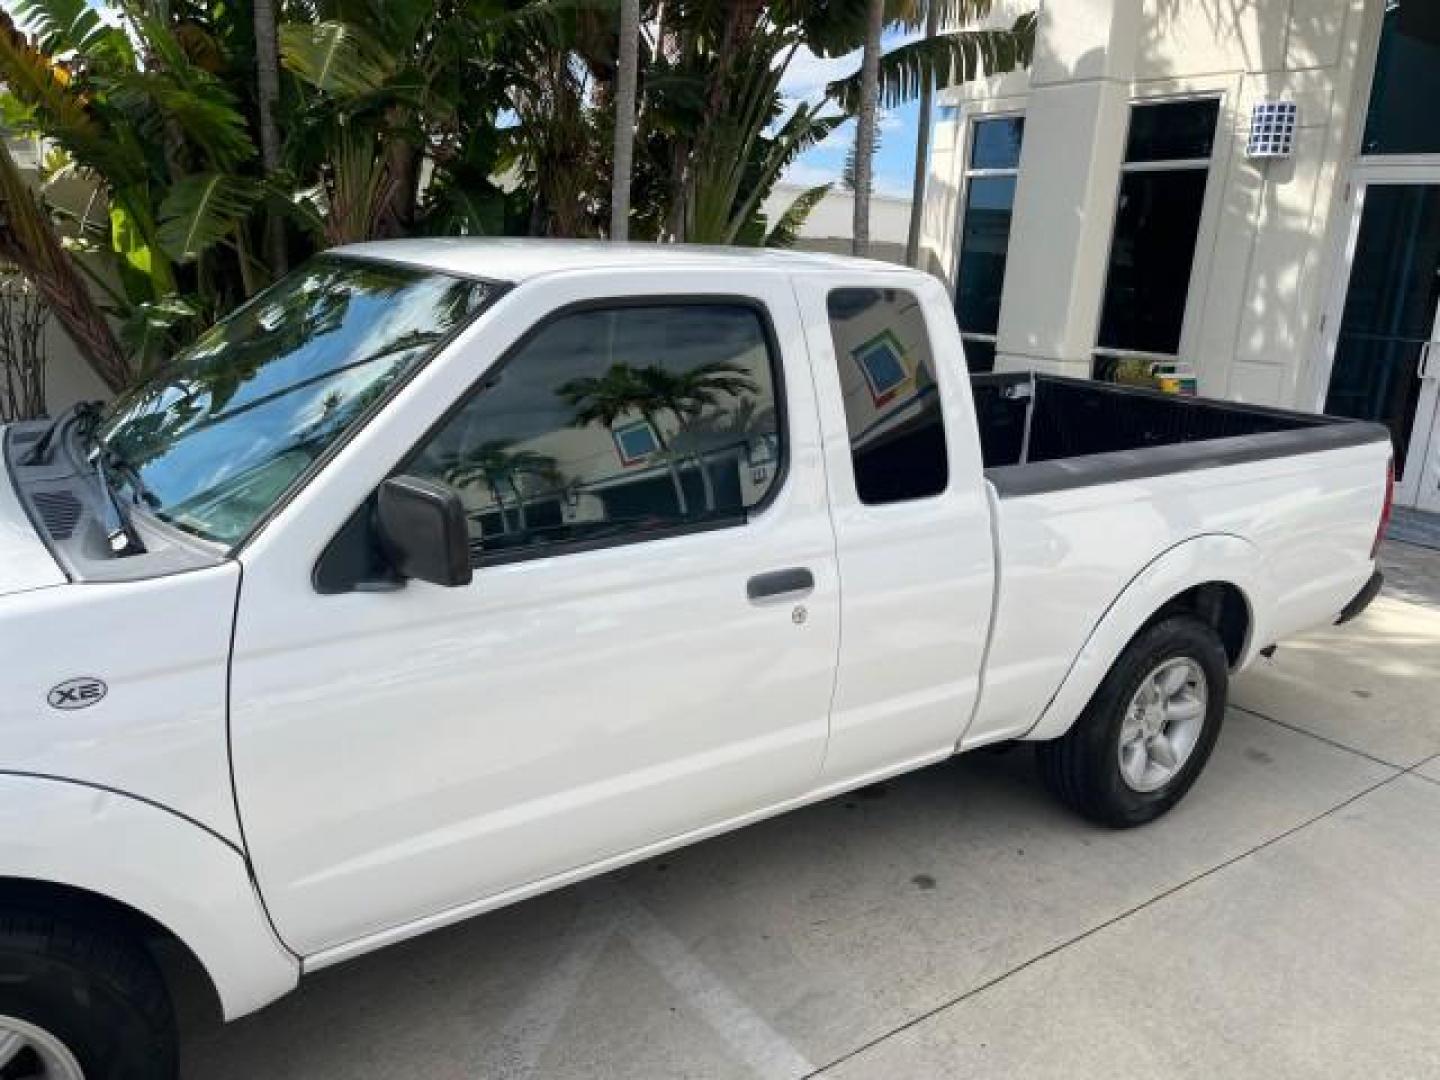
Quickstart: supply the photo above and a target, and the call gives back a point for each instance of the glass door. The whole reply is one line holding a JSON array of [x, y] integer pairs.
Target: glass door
[[1385, 348]]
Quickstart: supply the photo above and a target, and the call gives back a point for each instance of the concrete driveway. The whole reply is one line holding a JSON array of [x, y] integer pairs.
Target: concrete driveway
[[1282, 922]]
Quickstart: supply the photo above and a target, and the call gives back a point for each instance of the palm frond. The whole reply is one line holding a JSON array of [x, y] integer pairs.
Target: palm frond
[[945, 60], [335, 58], [785, 233], [200, 210], [953, 14], [60, 110], [62, 26]]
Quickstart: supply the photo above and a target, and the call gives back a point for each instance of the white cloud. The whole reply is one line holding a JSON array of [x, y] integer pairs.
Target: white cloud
[[808, 74]]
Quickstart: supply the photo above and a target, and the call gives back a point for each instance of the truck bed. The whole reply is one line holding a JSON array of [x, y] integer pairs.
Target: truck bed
[[1047, 432]]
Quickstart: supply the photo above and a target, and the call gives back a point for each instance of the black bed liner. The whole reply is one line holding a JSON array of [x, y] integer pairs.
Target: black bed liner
[[1048, 432]]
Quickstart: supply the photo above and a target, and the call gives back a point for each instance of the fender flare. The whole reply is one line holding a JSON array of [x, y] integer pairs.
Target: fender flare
[[1212, 557], [165, 866]]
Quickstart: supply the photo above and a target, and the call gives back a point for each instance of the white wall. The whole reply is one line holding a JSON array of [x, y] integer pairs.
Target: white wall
[[828, 228]]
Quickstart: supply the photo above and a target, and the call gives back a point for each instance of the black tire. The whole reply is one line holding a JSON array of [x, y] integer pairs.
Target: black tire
[[92, 988], [1082, 768]]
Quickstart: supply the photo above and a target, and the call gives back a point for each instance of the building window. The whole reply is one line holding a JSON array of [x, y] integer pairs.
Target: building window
[[1157, 225], [614, 425], [991, 172], [892, 403], [1402, 118]]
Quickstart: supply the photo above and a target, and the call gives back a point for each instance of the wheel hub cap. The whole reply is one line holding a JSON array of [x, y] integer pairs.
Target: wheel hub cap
[[28, 1052], [1163, 723]]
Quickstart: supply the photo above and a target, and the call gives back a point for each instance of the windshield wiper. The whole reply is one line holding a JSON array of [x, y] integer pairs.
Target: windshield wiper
[[84, 413], [119, 531], [116, 463]]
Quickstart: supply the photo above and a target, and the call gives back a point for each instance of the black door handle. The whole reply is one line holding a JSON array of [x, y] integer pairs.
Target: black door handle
[[780, 583]]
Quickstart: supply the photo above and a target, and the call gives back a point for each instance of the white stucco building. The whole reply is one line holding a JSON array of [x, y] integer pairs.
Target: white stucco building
[[1104, 204]]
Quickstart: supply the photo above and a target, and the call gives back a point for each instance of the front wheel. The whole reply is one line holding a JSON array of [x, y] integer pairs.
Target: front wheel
[[1149, 729], [80, 1003]]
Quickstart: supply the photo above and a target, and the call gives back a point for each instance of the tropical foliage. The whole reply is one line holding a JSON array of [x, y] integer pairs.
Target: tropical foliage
[[222, 142]]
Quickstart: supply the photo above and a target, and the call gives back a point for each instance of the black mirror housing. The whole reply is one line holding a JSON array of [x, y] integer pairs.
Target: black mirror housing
[[422, 530]]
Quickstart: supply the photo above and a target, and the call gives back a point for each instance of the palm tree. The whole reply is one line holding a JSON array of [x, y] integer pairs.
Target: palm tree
[[922, 146], [625, 81], [916, 68], [28, 240], [622, 392], [267, 85], [865, 126]]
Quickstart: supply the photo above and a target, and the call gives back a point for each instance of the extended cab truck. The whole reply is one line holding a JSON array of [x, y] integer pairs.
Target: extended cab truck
[[446, 573]]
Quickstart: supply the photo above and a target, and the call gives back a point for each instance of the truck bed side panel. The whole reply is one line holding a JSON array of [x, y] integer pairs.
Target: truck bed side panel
[[1068, 554]]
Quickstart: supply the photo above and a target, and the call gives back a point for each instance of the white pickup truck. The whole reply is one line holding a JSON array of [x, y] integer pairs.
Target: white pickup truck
[[448, 572]]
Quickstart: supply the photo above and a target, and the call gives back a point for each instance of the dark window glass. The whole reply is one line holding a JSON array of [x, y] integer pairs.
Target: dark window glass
[[1156, 226], [221, 434], [984, 246], [615, 424], [892, 402], [1389, 311], [995, 144], [1402, 118], [979, 355], [1172, 130]]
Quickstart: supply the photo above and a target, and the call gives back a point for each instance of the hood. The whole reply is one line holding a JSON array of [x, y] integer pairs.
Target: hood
[[25, 561]]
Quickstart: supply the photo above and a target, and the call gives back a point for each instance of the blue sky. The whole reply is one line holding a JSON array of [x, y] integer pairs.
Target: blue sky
[[895, 163]]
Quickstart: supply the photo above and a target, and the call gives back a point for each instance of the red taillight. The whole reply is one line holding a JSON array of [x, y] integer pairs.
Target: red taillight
[[1385, 510]]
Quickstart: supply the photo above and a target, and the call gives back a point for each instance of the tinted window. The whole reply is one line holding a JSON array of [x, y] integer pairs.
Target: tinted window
[[996, 143], [1402, 118], [984, 246], [1156, 227], [616, 424], [892, 402], [220, 435], [1172, 130]]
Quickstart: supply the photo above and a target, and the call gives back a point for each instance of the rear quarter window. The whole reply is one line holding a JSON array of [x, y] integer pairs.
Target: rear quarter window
[[892, 400]]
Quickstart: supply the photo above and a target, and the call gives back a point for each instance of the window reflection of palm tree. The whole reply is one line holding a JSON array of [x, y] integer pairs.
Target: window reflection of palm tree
[[625, 390], [499, 467], [688, 394], [619, 393]]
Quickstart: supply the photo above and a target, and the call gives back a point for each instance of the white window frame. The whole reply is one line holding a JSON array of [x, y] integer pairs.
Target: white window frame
[[974, 117], [1205, 232]]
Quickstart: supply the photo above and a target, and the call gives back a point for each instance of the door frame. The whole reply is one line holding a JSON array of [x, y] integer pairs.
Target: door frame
[[1414, 170]]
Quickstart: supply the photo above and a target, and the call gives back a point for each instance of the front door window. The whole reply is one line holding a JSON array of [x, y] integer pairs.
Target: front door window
[[1384, 347]]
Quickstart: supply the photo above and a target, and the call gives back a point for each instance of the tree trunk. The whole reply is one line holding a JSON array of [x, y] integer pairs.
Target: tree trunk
[[519, 503], [267, 82], [681, 502], [626, 78], [922, 147], [28, 239], [865, 126]]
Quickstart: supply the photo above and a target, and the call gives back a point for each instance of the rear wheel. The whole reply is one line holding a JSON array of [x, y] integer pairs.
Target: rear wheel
[[80, 1003], [1149, 729]]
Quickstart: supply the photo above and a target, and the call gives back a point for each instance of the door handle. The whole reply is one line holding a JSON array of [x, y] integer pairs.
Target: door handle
[[797, 581]]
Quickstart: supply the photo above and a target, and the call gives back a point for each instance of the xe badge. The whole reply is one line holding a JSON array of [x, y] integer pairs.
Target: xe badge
[[76, 693]]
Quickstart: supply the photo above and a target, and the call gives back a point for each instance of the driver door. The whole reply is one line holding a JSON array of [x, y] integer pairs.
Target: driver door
[[647, 648]]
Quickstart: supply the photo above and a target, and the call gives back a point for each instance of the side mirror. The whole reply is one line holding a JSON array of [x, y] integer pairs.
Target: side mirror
[[422, 529]]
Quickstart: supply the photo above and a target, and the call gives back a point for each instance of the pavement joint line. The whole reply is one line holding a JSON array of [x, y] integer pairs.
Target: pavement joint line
[[1325, 739], [1059, 947]]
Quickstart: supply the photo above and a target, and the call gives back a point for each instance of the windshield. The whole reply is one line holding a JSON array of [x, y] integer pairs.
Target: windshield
[[214, 441]]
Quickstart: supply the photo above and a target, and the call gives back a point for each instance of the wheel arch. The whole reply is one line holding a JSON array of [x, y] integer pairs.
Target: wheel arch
[[176, 959], [105, 855], [1215, 577]]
